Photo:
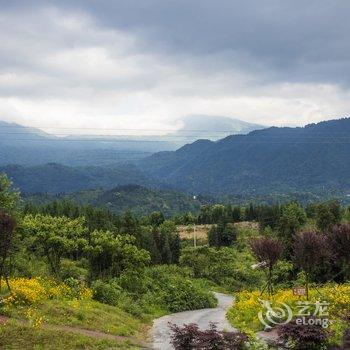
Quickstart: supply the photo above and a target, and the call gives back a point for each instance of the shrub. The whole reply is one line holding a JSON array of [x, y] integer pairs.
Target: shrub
[[176, 291], [26, 291], [106, 292], [244, 314], [303, 337], [184, 338], [226, 267], [78, 289], [183, 294], [73, 269], [30, 291], [191, 337]]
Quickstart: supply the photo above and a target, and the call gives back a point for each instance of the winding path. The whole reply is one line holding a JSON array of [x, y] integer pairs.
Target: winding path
[[161, 333]]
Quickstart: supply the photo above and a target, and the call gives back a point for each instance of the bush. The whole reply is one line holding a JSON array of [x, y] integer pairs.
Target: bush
[[191, 337], [244, 314], [172, 287], [226, 267], [73, 269], [157, 290], [183, 294], [107, 292], [31, 291], [78, 289], [303, 337]]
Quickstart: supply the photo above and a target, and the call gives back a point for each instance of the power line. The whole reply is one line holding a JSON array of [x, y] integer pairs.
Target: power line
[[165, 141], [124, 135], [283, 132]]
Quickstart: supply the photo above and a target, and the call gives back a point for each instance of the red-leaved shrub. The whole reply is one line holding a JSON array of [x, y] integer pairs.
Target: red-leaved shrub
[[190, 337]]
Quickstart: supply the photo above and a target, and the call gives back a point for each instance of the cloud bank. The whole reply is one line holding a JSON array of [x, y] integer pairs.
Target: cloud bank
[[144, 64]]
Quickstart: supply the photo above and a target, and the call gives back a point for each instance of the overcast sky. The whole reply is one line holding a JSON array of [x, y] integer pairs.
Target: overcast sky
[[143, 64]]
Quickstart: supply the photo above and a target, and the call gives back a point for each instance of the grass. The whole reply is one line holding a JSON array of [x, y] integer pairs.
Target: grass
[[14, 336], [86, 314]]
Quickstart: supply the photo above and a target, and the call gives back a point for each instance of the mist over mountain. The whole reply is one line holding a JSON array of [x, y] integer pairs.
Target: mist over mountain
[[30, 146], [313, 158], [212, 127]]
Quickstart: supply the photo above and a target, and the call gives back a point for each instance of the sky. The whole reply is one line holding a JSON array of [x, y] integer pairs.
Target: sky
[[141, 65]]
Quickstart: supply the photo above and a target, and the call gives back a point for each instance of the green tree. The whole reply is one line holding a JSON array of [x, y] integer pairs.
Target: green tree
[[110, 254], [9, 198], [292, 219], [172, 241], [222, 235], [54, 238], [327, 215], [156, 218]]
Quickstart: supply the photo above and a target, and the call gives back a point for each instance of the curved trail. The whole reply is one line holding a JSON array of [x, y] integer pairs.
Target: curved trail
[[161, 332]]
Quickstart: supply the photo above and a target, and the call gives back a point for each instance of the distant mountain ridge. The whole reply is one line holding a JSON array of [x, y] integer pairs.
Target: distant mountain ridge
[[55, 178], [311, 158], [32, 146]]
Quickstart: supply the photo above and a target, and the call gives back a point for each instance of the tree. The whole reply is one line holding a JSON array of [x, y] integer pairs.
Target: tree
[[110, 254], [328, 215], [339, 239], [309, 249], [7, 229], [267, 251], [172, 243], [156, 218], [54, 238], [9, 198], [236, 214], [293, 217], [222, 235], [129, 223]]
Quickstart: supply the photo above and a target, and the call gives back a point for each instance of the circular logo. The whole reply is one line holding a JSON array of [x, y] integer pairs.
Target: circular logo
[[279, 313]]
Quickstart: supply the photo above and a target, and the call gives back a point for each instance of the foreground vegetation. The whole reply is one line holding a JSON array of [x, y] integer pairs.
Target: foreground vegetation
[[103, 277]]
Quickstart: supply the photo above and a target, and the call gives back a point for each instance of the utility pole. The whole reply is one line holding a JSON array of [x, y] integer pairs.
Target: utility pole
[[194, 236], [194, 230]]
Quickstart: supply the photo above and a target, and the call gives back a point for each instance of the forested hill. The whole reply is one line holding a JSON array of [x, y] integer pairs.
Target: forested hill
[[139, 199], [313, 158], [56, 178]]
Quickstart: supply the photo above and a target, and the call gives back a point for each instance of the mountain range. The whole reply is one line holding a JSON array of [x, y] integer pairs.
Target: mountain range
[[312, 158], [311, 161], [32, 146]]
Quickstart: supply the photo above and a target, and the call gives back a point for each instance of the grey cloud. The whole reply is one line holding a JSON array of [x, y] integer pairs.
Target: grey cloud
[[290, 40], [164, 57]]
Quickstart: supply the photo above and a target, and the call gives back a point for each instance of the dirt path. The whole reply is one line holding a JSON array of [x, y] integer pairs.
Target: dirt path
[[161, 333]]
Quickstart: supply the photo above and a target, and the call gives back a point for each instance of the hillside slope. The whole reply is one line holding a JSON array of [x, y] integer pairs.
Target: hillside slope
[[312, 158], [56, 178], [141, 200]]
